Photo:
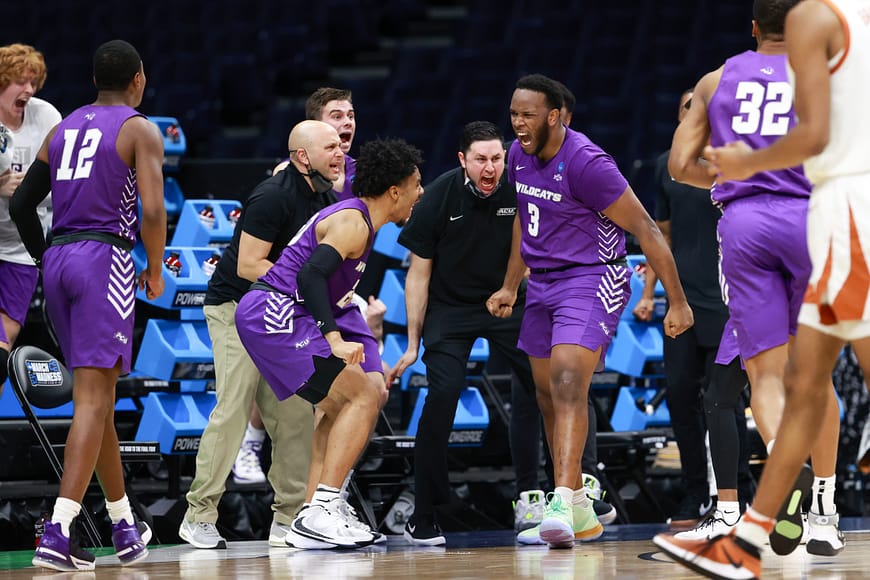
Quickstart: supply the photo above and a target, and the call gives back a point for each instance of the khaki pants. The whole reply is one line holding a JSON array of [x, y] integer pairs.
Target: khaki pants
[[289, 423]]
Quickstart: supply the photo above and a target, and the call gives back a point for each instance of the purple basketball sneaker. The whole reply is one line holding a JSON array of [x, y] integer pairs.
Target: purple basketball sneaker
[[129, 546], [58, 552]]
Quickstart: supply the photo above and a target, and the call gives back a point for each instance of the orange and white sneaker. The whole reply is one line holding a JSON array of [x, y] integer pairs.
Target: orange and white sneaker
[[727, 557]]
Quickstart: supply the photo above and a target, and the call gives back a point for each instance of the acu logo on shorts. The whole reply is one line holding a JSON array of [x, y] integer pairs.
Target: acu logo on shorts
[[44, 373]]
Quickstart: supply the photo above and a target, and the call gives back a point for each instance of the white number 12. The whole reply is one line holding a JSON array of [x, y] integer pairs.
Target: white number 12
[[84, 159]]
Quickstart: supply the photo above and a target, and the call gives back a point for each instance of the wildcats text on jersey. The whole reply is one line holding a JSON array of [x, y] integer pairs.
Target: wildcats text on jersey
[[538, 192]]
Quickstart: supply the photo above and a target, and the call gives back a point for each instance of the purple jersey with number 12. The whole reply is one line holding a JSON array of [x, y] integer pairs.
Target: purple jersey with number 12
[[92, 189], [560, 204]]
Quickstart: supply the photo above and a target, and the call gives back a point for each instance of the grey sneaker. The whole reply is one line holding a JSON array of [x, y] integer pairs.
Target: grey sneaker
[[278, 535], [201, 535], [528, 510]]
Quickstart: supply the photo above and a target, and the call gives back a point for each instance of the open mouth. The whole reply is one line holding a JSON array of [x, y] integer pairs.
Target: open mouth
[[525, 139], [21, 103], [486, 183], [345, 137]]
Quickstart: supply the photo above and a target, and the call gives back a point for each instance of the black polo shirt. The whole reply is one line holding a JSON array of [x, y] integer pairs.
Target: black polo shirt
[[467, 238], [274, 211], [693, 220]]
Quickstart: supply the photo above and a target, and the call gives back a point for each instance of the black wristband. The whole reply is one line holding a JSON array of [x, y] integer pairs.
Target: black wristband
[[312, 282]]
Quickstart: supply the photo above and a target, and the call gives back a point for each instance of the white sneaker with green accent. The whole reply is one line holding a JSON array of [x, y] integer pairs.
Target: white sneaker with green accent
[[528, 509], [585, 523], [557, 527]]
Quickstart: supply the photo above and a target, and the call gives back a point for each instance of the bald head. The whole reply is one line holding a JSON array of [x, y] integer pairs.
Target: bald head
[[316, 145], [306, 133]]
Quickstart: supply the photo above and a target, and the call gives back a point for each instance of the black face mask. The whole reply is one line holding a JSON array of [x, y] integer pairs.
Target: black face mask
[[320, 184], [318, 181]]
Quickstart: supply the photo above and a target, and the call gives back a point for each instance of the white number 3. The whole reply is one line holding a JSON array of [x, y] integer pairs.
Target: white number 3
[[534, 220]]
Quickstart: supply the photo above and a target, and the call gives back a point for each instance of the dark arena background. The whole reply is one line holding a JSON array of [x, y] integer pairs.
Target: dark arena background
[[233, 77]]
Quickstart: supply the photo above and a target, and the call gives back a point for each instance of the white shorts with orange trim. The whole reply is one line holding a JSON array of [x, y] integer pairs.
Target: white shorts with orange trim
[[837, 300]]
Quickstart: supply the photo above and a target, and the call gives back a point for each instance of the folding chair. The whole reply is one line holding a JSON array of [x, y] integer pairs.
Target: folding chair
[[40, 380]]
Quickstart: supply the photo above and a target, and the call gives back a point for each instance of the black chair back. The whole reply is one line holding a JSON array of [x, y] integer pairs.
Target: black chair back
[[39, 378]]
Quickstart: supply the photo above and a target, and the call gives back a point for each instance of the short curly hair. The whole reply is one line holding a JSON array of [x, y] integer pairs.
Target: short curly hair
[[115, 64], [383, 163], [551, 89], [770, 15], [18, 59]]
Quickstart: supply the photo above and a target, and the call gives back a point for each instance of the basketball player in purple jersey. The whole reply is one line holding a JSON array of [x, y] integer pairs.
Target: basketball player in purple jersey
[[765, 265], [307, 338], [828, 47], [98, 163], [573, 207]]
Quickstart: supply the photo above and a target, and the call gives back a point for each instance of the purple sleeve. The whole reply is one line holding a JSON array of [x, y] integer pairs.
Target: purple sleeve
[[511, 173], [596, 182]]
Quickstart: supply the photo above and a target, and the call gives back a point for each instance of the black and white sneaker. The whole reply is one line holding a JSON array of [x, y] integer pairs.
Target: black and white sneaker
[[424, 532], [323, 522], [691, 511]]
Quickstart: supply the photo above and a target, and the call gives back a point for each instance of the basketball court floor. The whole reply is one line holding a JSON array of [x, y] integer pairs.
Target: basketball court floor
[[624, 552]]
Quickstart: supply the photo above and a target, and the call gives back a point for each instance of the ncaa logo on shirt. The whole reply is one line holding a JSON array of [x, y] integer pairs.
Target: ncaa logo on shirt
[[558, 175], [506, 211]]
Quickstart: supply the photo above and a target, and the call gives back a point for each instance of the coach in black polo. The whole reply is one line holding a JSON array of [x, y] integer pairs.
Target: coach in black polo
[[460, 238]]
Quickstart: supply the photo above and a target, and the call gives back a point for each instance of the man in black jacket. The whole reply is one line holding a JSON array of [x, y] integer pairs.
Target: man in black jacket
[[460, 238]]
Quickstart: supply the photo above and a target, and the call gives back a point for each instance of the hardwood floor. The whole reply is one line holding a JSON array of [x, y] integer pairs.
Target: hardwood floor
[[624, 552]]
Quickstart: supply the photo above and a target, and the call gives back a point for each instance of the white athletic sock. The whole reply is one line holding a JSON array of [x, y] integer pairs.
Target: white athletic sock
[[730, 511], [65, 510], [754, 527], [580, 498], [254, 434], [823, 496], [119, 510], [324, 493], [567, 494]]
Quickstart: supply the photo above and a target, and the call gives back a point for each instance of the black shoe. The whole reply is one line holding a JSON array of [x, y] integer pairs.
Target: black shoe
[[789, 528], [606, 512], [691, 511], [424, 532]]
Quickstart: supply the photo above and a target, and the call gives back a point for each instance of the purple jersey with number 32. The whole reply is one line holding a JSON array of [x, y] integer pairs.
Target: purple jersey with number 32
[[753, 104]]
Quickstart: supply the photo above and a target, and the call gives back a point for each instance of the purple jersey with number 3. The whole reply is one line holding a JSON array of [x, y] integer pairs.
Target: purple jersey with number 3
[[753, 104], [92, 189], [560, 204]]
